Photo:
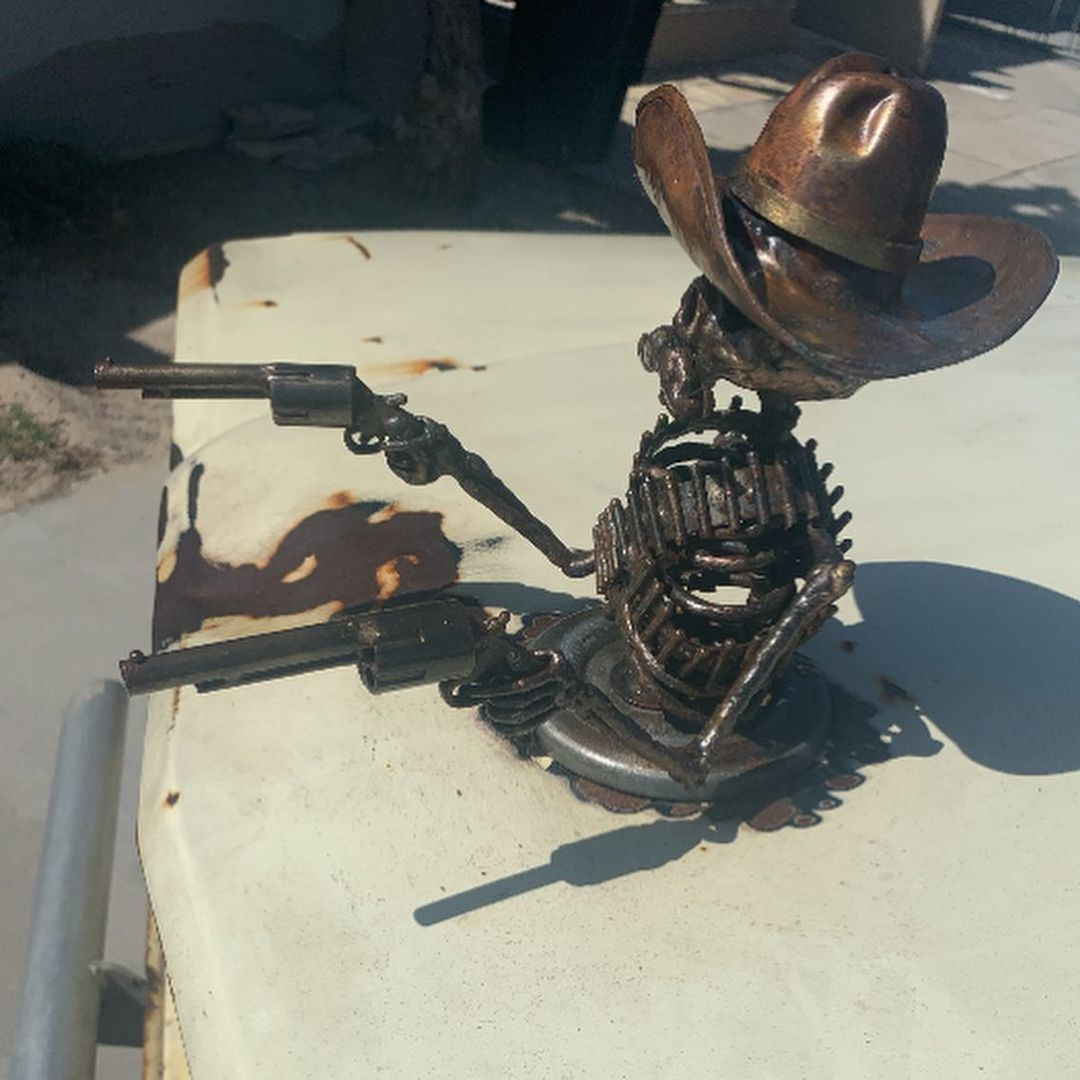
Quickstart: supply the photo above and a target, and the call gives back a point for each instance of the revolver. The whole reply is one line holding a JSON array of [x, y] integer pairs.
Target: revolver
[[432, 641]]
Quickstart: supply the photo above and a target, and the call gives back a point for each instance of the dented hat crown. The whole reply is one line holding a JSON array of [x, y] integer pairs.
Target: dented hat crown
[[822, 236], [848, 160]]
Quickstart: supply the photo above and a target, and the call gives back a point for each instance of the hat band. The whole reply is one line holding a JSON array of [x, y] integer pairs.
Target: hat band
[[872, 251]]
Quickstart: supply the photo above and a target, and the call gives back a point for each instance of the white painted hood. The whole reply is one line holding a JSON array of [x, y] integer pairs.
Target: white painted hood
[[351, 886]]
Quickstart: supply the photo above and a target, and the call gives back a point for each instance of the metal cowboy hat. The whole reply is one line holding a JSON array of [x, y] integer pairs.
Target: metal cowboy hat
[[822, 238]]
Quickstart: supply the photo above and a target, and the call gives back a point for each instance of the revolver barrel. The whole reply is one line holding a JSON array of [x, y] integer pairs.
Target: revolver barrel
[[392, 647], [313, 395], [185, 380]]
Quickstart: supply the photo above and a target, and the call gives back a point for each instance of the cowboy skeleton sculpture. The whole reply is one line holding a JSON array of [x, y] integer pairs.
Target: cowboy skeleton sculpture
[[821, 270]]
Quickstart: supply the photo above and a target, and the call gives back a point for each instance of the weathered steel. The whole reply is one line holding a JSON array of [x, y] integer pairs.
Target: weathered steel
[[823, 271], [418, 449], [400, 646]]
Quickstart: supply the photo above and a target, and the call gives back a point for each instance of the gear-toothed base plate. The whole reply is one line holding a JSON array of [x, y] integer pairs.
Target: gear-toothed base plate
[[784, 739]]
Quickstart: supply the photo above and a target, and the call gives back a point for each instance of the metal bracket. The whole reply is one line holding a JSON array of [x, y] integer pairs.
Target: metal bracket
[[123, 1005]]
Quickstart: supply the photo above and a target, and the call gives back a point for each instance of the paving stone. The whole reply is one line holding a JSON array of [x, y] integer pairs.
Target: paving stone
[[1049, 196], [734, 129], [961, 169], [706, 92], [1020, 141]]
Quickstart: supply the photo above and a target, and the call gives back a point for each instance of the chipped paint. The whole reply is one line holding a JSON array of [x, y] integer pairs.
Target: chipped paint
[[413, 368], [205, 271], [166, 564], [305, 569], [340, 499], [163, 1050], [388, 575], [335, 558], [260, 303]]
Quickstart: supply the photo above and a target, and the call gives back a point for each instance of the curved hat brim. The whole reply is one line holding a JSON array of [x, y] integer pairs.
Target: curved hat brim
[[978, 281]]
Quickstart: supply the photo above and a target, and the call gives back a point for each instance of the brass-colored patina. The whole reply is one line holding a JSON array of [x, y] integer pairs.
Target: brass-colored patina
[[822, 238], [817, 168]]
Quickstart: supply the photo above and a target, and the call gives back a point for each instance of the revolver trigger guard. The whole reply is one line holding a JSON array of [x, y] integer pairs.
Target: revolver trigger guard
[[359, 443]]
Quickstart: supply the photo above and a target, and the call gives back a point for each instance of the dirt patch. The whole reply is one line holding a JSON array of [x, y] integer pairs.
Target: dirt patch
[[52, 435]]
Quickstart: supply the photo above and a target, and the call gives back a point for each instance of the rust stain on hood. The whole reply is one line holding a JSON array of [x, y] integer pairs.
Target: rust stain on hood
[[356, 244], [205, 271], [349, 554], [388, 576], [411, 368]]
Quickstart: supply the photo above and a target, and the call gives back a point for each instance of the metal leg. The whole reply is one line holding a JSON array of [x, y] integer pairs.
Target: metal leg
[[825, 584]]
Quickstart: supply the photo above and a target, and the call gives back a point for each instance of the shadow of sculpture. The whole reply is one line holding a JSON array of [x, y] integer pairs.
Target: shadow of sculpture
[[519, 598], [633, 849], [990, 660]]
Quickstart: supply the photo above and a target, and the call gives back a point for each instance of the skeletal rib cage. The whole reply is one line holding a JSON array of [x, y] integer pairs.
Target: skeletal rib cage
[[733, 499]]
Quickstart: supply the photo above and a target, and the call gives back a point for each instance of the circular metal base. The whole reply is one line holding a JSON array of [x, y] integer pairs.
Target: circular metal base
[[785, 737]]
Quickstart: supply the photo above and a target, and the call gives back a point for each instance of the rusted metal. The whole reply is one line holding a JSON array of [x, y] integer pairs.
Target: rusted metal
[[163, 1048], [205, 271], [331, 558], [822, 271], [392, 647], [418, 449], [745, 505], [421, 366]]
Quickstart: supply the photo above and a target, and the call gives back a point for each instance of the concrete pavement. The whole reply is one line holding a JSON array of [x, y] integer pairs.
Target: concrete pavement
[[1014, 123], [80, 575]]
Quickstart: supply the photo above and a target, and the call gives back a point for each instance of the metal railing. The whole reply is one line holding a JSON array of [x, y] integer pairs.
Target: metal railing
[[71, 999]]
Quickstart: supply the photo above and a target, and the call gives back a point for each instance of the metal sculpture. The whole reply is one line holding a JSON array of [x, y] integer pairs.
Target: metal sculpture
[[822, 270]]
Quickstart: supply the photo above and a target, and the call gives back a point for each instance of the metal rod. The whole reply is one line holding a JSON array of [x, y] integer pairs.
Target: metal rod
[[243, 660], [56, 1035], [185, 380]]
